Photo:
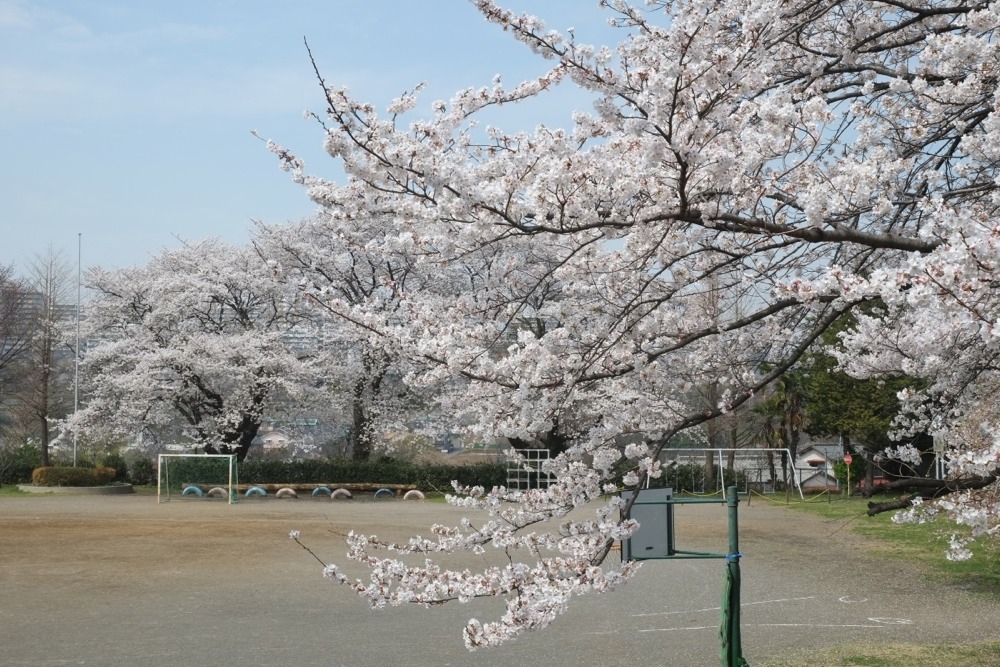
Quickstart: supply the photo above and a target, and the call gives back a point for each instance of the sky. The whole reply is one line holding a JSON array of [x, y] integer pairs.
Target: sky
[[127, 126]]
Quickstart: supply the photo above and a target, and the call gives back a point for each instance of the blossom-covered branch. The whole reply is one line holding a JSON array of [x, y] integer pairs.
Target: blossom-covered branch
[[750, 171]]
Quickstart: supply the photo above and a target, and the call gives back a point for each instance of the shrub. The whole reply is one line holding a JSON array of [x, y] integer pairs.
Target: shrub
[[117, 462], [62, 476], [197, 470], [142, 471], [857, 471], [17, 461]]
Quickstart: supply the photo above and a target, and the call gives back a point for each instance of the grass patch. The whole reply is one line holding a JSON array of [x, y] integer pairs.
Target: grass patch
[[923, 544], [11, 490], [899, 655]]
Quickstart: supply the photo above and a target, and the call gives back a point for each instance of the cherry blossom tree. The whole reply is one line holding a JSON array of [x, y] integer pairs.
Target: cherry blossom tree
[[200, 334], [338, 279], [792, 159], [356, 280]]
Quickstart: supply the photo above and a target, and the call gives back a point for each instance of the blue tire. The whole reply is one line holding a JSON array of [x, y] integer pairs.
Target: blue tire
[[322, 491], [384, 493], [193, 491], [255, 491]]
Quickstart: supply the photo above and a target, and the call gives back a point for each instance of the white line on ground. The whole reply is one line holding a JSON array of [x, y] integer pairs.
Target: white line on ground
[[745, 604], [694, 627], [768, 625], [813, 625]]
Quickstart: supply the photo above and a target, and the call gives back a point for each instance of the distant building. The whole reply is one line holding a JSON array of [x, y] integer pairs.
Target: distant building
[[274, 440], [814, 466]]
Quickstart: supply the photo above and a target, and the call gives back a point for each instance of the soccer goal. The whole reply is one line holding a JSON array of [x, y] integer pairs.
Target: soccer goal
[[200, 475], [763, 470]]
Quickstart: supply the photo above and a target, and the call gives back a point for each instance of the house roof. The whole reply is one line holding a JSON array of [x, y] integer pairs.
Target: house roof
[[826, 451], [820, 475]]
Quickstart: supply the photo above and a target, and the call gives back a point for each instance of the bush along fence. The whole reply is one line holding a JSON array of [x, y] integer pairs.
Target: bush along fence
[[61, 476], [427, 477]]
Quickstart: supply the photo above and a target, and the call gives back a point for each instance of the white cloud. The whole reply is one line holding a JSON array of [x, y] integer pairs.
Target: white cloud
[[19, 17], [14, 15], [28, 92], [57, 66]]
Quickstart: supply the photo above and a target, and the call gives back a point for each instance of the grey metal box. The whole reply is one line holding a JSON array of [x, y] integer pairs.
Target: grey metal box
[[655, 536]]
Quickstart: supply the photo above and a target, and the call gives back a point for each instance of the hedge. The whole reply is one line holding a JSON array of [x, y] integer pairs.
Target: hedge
[[18, 473], [60, 476], [17, 462], [427, 477]]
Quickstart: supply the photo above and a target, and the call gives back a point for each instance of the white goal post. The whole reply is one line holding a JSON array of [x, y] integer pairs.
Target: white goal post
[[748, 467], [163, 474]]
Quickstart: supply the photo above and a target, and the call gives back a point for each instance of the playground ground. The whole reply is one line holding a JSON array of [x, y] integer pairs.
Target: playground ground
[[122, 580]]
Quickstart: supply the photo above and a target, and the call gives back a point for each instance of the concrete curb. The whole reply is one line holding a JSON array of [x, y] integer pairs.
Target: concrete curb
[[80, 490]]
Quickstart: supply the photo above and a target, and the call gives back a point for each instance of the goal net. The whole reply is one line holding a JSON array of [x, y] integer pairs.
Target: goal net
[[196, 475], [763, 470]]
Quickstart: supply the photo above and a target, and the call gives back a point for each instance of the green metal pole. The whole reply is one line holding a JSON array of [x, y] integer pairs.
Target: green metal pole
[[732, 650]]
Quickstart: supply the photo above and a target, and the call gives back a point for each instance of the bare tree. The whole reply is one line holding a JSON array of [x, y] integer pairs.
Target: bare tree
[[45, 366], [15, 334]]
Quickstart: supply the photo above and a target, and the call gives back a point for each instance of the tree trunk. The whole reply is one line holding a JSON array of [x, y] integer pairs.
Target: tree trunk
[[734, 428], [709, 470], [367, 388], [360, 437], [932, 487], [869, 465], [791, 434], [714, 434], [43, 444], [43, 407], [245, 440], [554, 441], [239, 439], [772, 470], [889, 505]]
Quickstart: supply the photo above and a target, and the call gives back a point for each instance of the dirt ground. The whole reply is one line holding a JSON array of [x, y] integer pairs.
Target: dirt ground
[[122, 580]]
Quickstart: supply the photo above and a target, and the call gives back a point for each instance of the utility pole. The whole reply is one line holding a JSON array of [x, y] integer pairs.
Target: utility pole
[[76, 365]]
